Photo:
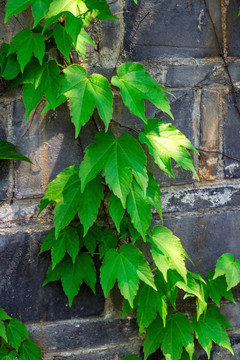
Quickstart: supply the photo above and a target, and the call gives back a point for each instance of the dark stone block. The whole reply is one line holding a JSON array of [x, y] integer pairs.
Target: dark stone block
[[176, 28], [195, 75], [22, 273], [4, 173], [115, 354], [231, 139], [234, 69], [207, 237], [85, 334], [233, 28], [50, 144]]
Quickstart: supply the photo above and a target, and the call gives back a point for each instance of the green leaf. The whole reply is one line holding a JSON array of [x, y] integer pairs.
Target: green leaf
[[14, 7], [92, 238], [128, 267], [84, 93], [58, 7], [211, 327], [10, 68], [3, 352], [66, 241], [164, 142], [178, 333], [89, 203], [83, 39], [38, 81], [230, 268], [73, 275], [16, 331], [63, 40], [39, 10], [100, 9], [116, 210], [73, 26], [7, 151], [131, 357], [167, 245], [13, 355], [136, 85], [153, 196], [107, 241], [4, 315], [25, 44], [150, 302], [119, 159], [3, 331], [218, 288], [30, 351], [185, 356], [126, 308], [139, 210]]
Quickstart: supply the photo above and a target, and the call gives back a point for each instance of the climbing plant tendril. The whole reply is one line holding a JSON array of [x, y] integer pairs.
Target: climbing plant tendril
[[113, 179]]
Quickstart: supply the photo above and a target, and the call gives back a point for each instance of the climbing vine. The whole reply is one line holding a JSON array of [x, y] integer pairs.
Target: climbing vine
[[113, 181]]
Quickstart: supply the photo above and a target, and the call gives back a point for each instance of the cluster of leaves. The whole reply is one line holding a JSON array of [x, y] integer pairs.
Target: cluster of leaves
[[113, 181], [14, 340]]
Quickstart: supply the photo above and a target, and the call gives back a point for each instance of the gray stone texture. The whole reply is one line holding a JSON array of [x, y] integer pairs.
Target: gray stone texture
[[233, 27], [174, 29], [22, 273], [115, 354]]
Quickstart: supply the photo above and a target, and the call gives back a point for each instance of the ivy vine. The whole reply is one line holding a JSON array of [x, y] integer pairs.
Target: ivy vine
[[113, 179]]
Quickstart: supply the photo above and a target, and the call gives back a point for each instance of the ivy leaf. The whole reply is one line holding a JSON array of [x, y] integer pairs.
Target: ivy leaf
[[211, 327], [66, 241], [92, 238], [136, 85], [58, 7], [230, 268], [25, 44], [83, 39], [164, 142], [150, 302], [178, 333], [168, 245], [4, 315], [100, 9], [7, 151], [116, 210], [63, 40], [139, 210], [218, 288], [185, 356], [118, 159], [38, 81], [39, 10], [3, 331], [13, 355], [9, 66], [16, 331], [30, 351], [73, 275], [90, 201], [131, 357], [107, 241], [14, 7], [84, 93], [153, 196], [128, 267], [73, 26]]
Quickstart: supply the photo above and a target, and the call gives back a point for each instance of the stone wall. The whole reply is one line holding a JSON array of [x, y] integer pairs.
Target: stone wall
[[182, 47]]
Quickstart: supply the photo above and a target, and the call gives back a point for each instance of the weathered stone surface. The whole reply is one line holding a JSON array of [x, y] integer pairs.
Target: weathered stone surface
[[219, 353], [200, 199], [84, 334], [50, 144], [115, 354], [231, 139], [179, 29], [234, 70], [195, 75], [233, 28], [22, 273], [209, 134], [206, 237]]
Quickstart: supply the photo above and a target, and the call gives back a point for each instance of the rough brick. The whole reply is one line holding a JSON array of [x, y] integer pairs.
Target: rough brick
[[233, 28], [50, 144], [195, 75], [84, 334], [206, 237], [22, 273], [179, 28], [209, 133], [231, 139]]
